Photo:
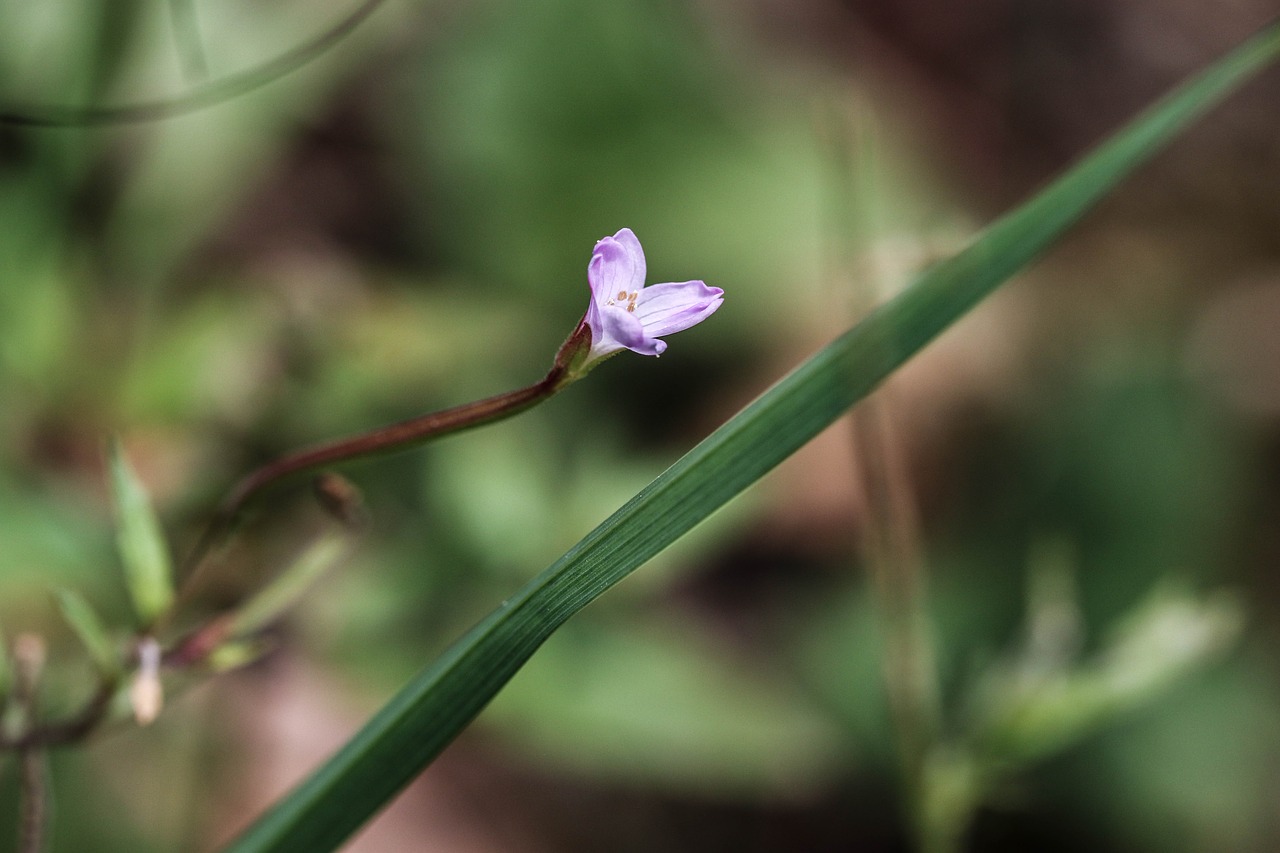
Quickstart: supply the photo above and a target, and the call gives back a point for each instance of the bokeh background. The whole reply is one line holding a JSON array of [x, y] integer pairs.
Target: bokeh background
[[404, 224]]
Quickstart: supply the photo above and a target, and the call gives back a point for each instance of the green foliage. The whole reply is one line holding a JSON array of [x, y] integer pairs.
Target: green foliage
[[144, 554], [92, 633], [283, 592]]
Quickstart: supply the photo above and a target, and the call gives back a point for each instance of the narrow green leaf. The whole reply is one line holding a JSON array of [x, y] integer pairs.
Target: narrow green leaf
[[1022, 712], [237, 653], [92, 633], [145, 556], [283, 593], [431, 710]]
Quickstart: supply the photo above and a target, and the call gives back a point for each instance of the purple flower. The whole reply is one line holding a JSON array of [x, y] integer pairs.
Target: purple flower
[[624, 314]]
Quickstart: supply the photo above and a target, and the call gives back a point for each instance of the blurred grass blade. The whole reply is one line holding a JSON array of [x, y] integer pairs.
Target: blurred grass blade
[[286, 590], [89, 628], [187, 40], [1023, 712], [6, 670], [430, 712], [148, 571]]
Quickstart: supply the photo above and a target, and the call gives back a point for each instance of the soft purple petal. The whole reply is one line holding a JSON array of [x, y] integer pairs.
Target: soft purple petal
[[631, 245], [594, 321], [620, 329], [617, 267], [664, 309]]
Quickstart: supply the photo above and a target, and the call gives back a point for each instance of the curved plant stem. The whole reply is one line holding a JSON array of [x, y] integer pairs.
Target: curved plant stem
[[201, 97], [892, 542], [388, 439], [71, 730], [396, 437]]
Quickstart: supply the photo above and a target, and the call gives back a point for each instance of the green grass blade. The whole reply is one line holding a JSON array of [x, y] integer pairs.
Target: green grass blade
[[84, 620], [279, 596], [430, 712]]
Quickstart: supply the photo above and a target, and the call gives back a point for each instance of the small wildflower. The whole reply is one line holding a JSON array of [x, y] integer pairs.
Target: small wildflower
[[624, 314]]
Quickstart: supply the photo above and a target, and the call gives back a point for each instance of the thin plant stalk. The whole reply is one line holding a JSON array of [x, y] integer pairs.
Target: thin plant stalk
[[389, 439], [28, 664], [33, 819], [891, 540], [893, 551]]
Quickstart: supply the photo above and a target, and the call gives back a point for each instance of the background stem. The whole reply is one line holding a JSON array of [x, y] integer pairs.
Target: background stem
[[28, 663], [33, 818]]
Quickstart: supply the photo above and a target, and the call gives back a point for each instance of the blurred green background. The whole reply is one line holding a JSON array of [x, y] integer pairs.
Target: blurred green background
[[404, 224]]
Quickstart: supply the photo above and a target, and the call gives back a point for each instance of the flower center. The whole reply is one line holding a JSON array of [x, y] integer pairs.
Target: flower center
[[627, 297]]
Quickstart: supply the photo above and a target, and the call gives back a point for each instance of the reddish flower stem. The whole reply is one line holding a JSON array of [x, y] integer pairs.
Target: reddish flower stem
[[388, 439]]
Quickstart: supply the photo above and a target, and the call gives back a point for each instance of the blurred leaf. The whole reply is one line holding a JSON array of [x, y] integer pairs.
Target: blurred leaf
[[838, 653], [46, 541], [143, 552], [430, 712], [277, 597], [1029, 710], [209, 360], [234, 655], [658, 703], [1167, 636], [1142, 469], [37, 314], [953, 786], [187, 39], [92, 633], [117, 24], [1198, 776]]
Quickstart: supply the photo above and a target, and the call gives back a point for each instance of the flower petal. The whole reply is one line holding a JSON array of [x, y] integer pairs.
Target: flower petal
[[664, 309], [617, 266], [621, 329]]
